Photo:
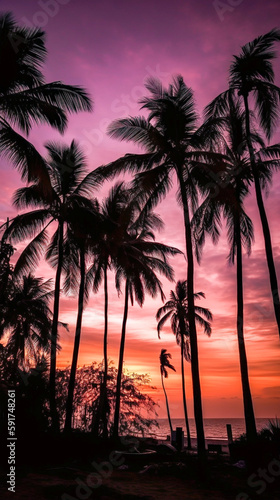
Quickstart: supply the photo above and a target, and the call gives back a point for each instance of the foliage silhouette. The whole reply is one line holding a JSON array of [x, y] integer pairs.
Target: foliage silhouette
[[26, 99], [68, 202], [164, 364], [171, 141], [251, 73], [233, 181], [176, 310], [138, 260]]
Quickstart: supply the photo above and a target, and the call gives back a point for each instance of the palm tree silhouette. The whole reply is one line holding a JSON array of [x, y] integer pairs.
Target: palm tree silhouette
[[137, 261], [69, 188], [83, 236], [171, 141], [164, 364], [26, 317], [251, 73], [234, 176], [176, 310], [26, 99], [113, 209]]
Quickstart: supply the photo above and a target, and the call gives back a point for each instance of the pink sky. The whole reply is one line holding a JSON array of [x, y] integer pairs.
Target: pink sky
[[110, 48]]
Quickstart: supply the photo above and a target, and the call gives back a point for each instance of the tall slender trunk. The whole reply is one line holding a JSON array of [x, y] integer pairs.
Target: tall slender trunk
[[193, 336], [15, 361], [120, 367], [101, 410], [184, 392], [71, 386], [247, 398], [167, 408], [264, 221], [53, 409], [105, 353]]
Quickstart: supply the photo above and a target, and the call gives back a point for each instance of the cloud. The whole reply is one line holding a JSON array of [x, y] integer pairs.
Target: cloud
[[111, 48]]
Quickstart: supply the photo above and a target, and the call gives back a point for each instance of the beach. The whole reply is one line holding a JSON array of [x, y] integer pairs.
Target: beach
[[159, 481]]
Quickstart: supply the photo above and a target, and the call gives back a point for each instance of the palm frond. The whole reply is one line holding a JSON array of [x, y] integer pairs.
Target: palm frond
[[219, 106], [135, 129], [32, 253], [162, 322], [27, 225], [24, 156]]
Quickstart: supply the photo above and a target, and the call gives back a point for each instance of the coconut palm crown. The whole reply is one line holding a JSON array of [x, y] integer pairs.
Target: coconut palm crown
[[26, 99]]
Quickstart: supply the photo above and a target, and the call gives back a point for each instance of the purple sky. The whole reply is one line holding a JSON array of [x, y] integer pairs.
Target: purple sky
[[110, 48]]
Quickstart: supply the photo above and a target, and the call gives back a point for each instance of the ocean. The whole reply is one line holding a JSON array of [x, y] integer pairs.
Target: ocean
[[214, 428]]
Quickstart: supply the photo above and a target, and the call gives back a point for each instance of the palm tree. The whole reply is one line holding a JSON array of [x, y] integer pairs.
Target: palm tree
[[26, 99], [66, 168], [112, 210], [82, 237], [26, 317], [170, 139], [164, 364], [251, 73], [234, 176], [176, 309], [137, 261]]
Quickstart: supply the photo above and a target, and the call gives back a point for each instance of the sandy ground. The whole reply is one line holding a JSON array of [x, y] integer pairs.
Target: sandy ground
[[164, 481], [122, 485], [63, 484]]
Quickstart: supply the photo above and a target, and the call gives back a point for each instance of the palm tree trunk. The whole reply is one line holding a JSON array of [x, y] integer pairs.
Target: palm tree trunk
[[264, 221], [53, 409], [247, 398], [184, 393], [15, 361], [120, 367], [167, 408], [71, 386], [193, 336], [105, 352], [101, 410]]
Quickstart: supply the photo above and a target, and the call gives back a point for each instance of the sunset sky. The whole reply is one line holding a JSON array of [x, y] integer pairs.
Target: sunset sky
[[111, 47]]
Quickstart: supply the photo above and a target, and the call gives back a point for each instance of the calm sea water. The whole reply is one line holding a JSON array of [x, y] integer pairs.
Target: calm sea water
[[214, 428]]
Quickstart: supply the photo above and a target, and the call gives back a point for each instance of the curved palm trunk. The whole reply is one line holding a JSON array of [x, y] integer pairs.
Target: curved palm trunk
[[184, 393], [193, 336], [120, 367], [101, 411], [71, 386], [247, 398], [53, 409], [264, 221], [167, 407]]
